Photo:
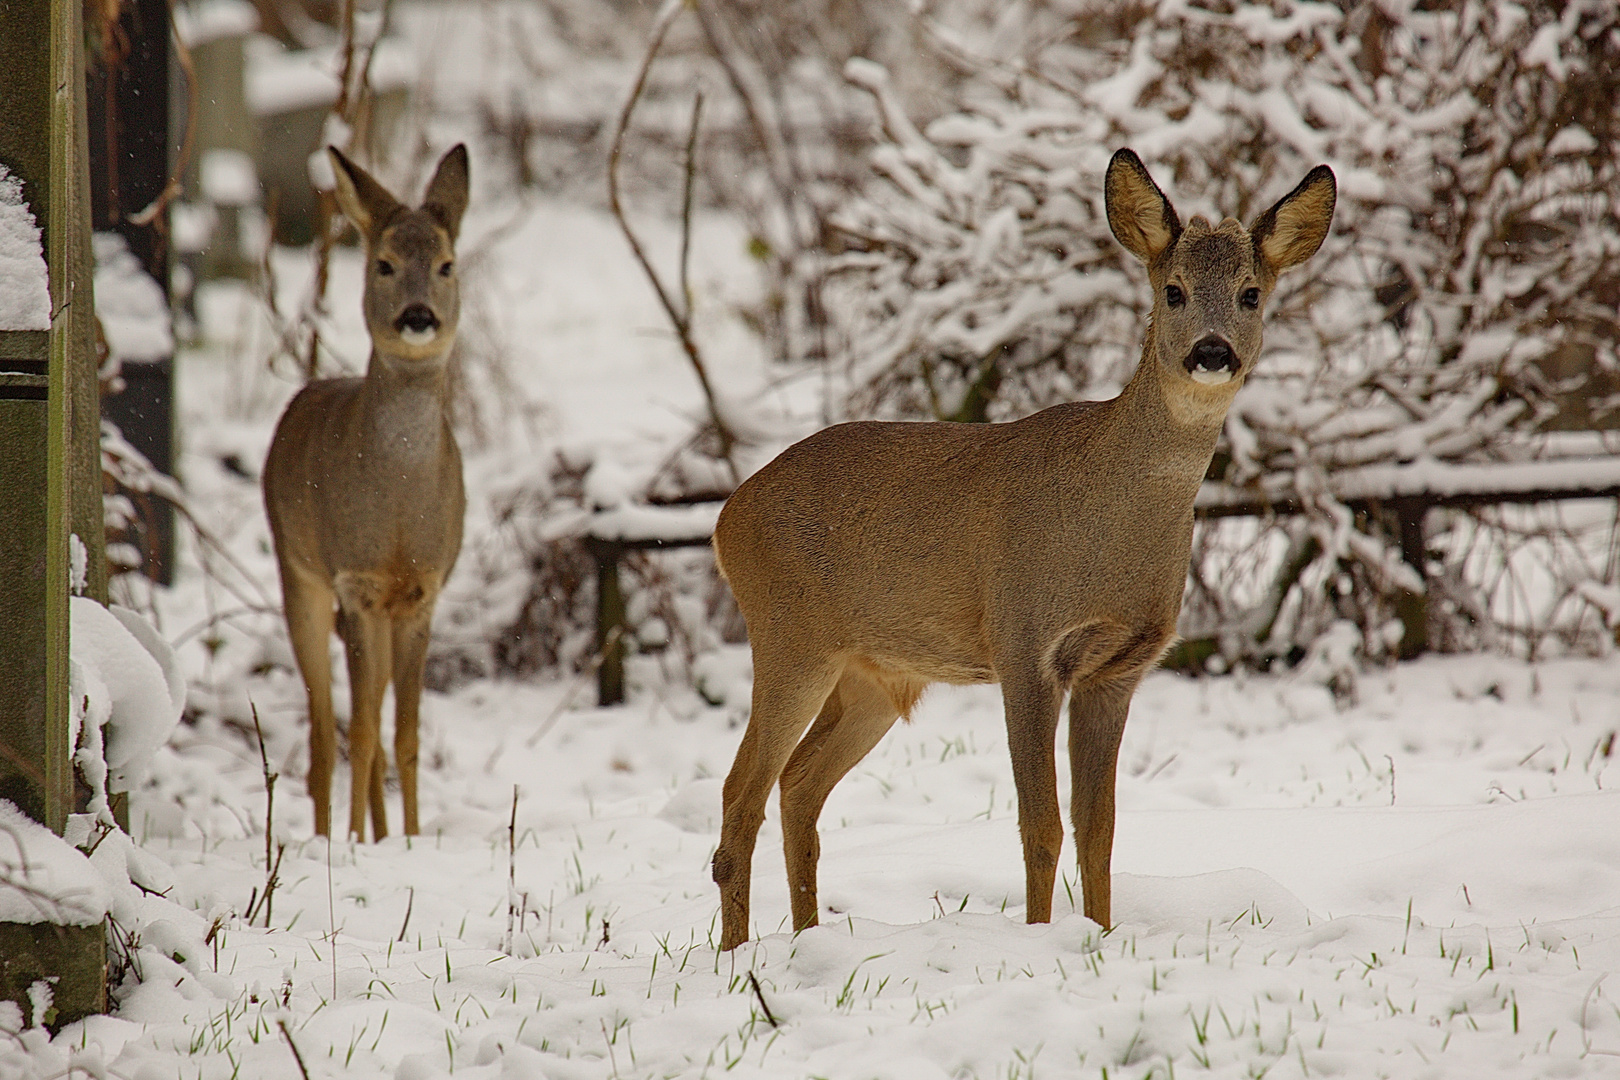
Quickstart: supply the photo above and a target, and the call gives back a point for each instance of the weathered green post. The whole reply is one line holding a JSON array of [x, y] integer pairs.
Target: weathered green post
[[50, 475]]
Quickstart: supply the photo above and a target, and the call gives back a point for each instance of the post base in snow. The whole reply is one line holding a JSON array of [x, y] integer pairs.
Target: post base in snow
[[71, 959]]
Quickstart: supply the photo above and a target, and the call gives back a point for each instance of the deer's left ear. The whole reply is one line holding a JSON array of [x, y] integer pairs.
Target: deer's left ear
[[1290, 232], [446, 197]]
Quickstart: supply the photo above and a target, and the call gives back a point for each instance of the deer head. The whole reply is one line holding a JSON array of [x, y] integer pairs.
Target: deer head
[[412, 293], [1211, 282]]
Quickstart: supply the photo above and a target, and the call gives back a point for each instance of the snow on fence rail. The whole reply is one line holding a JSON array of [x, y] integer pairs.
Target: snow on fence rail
[[1410, 489]]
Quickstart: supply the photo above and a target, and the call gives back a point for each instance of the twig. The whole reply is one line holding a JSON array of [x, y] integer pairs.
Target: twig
[[331, 916], [681, 320], [760, 994], [511, 874], [687, 188], [410, 902], [285, 1034], [271, 867], [612, 1057]]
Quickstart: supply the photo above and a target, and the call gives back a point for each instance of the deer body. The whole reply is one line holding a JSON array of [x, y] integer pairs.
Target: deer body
[[1048, 554], [363, 490]]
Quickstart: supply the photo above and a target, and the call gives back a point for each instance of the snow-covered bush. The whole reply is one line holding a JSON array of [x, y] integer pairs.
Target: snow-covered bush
[[1470, 280]]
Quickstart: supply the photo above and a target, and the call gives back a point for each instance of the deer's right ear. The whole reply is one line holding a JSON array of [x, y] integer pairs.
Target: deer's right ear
[[366, 202], [1140, 216]]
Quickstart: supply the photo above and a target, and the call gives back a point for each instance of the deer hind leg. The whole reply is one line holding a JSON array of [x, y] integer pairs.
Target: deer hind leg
[[1032, 699], [1096, 725], [310, 607], [366, 638], [410, 659], [857, 714], [788, 692]]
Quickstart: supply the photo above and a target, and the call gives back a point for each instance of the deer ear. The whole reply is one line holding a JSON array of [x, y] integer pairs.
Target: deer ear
[[446, 197], [366, 202], [1290, 232], [1142, 218]]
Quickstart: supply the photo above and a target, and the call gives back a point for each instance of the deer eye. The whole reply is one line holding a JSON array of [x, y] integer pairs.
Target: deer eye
[[444, 271], [1174, 296], [1250, 298], [385, 268]]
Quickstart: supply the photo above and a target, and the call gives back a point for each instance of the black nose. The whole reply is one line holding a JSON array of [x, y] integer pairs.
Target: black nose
[[1211, 353], [417, 317]]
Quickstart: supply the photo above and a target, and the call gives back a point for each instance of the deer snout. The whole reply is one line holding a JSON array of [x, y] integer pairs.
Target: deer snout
[[1211, 360], [417, 324]]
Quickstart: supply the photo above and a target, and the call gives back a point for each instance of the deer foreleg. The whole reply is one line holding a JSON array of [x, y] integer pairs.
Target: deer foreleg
[[1031, 701], [1096, 725], [410, 659], [311, 613], [366, 637]]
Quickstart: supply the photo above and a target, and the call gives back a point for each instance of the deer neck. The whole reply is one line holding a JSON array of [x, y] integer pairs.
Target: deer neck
[[1171, 426], [404, 410]]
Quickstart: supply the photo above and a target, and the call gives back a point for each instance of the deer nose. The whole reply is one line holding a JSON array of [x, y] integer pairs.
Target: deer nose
[[417, 319], [1211, 359]]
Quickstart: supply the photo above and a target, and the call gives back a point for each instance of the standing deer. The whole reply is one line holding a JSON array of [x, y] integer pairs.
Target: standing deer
[[1048, 554], [363, 490]]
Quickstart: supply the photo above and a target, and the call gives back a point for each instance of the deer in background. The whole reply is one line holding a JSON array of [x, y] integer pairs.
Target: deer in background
[[364, 493], [1048, 554]]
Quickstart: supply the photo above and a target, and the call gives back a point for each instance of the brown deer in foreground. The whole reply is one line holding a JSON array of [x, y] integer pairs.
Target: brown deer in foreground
[[363, 489], [1048, 555]]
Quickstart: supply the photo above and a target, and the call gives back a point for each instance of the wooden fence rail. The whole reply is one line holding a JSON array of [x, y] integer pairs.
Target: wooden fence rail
[[1407, 492]]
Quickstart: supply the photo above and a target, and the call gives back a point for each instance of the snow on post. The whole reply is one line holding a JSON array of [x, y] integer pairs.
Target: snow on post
[[42, 878], [25, 301], [125, 678]]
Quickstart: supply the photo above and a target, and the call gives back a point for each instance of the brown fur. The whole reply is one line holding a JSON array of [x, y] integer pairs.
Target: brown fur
[[363, 489], [1047, 554]]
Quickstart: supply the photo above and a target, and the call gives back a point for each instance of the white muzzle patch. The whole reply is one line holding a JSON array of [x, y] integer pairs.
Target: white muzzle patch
[[1207, 377], [418, 338]]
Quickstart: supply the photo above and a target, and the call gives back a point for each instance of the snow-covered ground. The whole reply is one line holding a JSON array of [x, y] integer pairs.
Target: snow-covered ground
[[1419, 881], [1425, 882]]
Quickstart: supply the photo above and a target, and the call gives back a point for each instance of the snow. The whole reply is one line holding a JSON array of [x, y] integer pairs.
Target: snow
[[131, 683], [654, 523], [133, 311], [209, 20], [25, 302], [1434, 478], [280, 80], [229, 178], [42, 879], [1411, 873], [1306, 881]]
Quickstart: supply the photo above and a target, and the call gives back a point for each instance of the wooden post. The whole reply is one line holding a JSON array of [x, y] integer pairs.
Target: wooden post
[[50, 458], [1413, 608], [128, 142], [609, 620]]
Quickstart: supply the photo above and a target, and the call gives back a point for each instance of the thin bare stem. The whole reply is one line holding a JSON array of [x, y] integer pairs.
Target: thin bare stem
[[299, 1058], [679, 319], [686, 203]]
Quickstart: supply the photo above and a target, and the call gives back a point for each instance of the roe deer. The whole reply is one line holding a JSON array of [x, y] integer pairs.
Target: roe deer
[[363, 490], [1048, 554]]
